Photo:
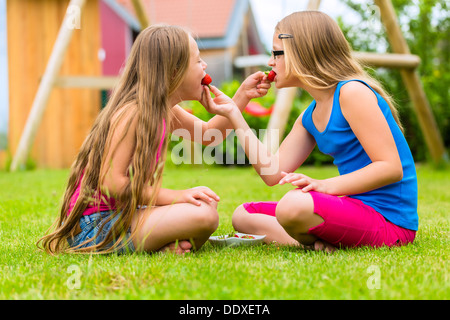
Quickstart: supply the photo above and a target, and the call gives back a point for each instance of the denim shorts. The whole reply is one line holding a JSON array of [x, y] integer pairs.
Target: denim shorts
[[90, 226]]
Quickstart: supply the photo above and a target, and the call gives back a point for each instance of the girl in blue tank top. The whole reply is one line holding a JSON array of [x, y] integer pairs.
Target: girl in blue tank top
[[373, 200]]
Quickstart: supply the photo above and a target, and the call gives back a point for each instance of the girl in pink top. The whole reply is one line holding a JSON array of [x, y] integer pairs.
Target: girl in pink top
[[114, 200], [101, 202]]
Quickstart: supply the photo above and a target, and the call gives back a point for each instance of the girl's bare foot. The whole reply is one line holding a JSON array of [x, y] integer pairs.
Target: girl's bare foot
[[177, 247], [320, 245]]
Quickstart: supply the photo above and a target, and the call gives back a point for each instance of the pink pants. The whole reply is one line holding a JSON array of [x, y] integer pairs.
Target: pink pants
[[348, 222]]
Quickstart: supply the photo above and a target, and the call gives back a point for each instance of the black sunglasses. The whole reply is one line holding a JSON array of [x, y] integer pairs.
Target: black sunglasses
[[277, 53]]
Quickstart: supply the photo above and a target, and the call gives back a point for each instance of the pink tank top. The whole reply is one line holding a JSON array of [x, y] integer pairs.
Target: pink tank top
[[100, 201]]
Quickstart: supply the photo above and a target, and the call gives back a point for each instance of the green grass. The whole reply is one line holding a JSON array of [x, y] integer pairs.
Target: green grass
[[29, 202]]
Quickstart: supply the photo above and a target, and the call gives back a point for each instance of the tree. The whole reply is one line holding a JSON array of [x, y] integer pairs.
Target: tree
[[426, 26]]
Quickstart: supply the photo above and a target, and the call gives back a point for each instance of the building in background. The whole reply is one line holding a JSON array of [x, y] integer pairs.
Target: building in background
[[225, 30]]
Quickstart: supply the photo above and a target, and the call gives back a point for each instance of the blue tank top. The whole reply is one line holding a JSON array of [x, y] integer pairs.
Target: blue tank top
[[397, 202]]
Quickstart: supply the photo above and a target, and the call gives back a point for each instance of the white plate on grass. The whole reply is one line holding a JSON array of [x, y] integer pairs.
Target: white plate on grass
[[236, 239]]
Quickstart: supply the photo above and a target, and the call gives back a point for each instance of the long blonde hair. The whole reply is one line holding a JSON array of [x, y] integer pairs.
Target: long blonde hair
[[320, 56], [155, 68]]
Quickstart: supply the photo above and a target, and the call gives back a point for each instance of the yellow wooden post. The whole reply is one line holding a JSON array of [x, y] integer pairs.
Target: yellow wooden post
[[387, 60], [413, 84], [140, 13], [46, 86]]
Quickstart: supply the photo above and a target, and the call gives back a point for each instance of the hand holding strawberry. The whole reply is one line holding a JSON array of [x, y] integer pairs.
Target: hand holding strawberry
[[221, 104], [254, 86]]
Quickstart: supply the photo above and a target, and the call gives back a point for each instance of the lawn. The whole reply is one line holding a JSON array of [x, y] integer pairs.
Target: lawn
[[29, 202]]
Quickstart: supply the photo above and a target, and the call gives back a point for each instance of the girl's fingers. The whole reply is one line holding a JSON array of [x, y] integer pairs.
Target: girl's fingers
[[203, 196], [212, 195], [287, 177], [207, 101], [282, 180], [209, 195], [194, 201], [264, 85], [308, 188], [296, 179], [301, 181], [215, 91], [206, 195], [208, 97], [204, 99]]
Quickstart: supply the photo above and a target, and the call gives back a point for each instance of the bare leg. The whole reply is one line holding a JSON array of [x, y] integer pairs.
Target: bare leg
[[255, 223], [177, 228], [294, 217], [295, 213]]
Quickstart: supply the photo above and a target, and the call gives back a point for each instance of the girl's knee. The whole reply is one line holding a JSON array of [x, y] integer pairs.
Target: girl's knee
[[239, 211], [238, 216], [206, 216], [294, 208]]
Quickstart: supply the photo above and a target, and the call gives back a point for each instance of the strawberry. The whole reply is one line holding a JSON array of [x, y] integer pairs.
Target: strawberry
[[270, 75], [206, 80]]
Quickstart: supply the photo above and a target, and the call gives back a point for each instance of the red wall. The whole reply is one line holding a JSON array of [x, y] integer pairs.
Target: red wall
[[115, 40]]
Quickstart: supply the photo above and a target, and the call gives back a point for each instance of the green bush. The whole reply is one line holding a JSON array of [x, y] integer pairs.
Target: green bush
[[426, 28]]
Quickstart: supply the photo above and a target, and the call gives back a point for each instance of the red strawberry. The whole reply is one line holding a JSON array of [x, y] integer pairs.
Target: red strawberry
[[206, 80], [271, 75]]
